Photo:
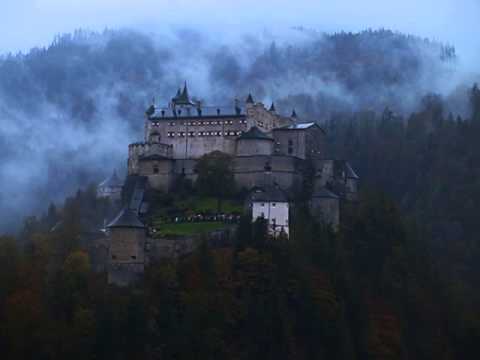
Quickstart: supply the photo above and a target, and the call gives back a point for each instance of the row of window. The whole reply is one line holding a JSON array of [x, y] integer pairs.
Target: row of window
[[203, 133], [199, 123], [273, 204]]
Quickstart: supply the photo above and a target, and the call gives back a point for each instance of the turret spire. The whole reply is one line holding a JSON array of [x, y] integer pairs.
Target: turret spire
[[249, 99], [272, 107], [294, 114], [185, 91]]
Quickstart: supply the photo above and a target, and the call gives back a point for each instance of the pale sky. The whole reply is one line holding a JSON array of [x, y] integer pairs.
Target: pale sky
[[28, 23]]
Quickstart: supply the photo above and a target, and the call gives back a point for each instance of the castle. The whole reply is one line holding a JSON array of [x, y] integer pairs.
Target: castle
[[259, 140], [270, 155]]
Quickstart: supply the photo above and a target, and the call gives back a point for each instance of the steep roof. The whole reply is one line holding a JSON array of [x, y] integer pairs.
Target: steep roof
[[153, 157], [254, 133], [325, 194], [182, 97], [198, 113], [350, 173], [250, 99], [300, 126], [112, 181], [126, 219], [268, 194], [272, 107]]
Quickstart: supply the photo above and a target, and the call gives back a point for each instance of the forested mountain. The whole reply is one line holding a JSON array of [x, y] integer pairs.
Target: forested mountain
[[398, 280], [69, 110]]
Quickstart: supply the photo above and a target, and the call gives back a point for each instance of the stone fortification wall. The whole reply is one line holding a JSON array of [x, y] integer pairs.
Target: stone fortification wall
[[195, 137], [126, 260], [262, 170], [249, 147], [138, 150], [160, 173]]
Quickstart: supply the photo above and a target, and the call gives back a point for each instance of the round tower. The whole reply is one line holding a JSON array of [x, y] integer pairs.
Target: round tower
[[127, 235], [254, 142]]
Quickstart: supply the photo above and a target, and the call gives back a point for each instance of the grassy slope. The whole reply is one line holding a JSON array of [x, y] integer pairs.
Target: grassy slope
[[188, 229]]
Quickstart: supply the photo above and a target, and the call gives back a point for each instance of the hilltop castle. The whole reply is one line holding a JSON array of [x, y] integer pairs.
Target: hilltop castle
[[271, 154], [260, 141]]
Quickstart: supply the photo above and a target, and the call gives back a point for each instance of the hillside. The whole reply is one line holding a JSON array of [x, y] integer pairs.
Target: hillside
[[69, 110]]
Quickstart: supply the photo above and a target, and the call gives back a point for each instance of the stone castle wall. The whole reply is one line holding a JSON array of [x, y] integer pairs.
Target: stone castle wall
[[195, 137], [246, 147]]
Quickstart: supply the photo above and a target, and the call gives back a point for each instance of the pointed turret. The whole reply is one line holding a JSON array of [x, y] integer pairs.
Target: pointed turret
[[150, 111], [272, 107], [185, 92], [249, 99], [294, 114], [182, 97], [126, 219]]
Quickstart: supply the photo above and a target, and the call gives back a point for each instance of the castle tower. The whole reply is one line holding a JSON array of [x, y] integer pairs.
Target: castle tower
[[254, 142], [127, 236]]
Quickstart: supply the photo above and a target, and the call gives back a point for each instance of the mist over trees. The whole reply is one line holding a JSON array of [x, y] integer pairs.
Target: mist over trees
[[398, 281], [69, 110]]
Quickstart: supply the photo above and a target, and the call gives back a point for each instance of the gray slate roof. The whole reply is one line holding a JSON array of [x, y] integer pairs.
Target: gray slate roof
[[300, 126], [324, 194], [153, 157], [254, 133], [197, 112], [126, 219], [268, 194]]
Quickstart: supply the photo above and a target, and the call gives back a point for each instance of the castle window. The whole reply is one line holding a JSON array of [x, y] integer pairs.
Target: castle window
[[191, 133], [114, 257], [172, 124], [262, 204], [290, 146], [155, 169], [207, 122], [274, 204], [220, 123], [134, 257]]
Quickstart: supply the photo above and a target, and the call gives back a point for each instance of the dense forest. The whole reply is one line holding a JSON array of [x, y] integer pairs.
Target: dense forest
[[68, 111], [397, 281]]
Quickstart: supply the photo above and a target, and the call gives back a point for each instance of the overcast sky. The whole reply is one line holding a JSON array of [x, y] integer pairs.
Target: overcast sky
[[28, 23]]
